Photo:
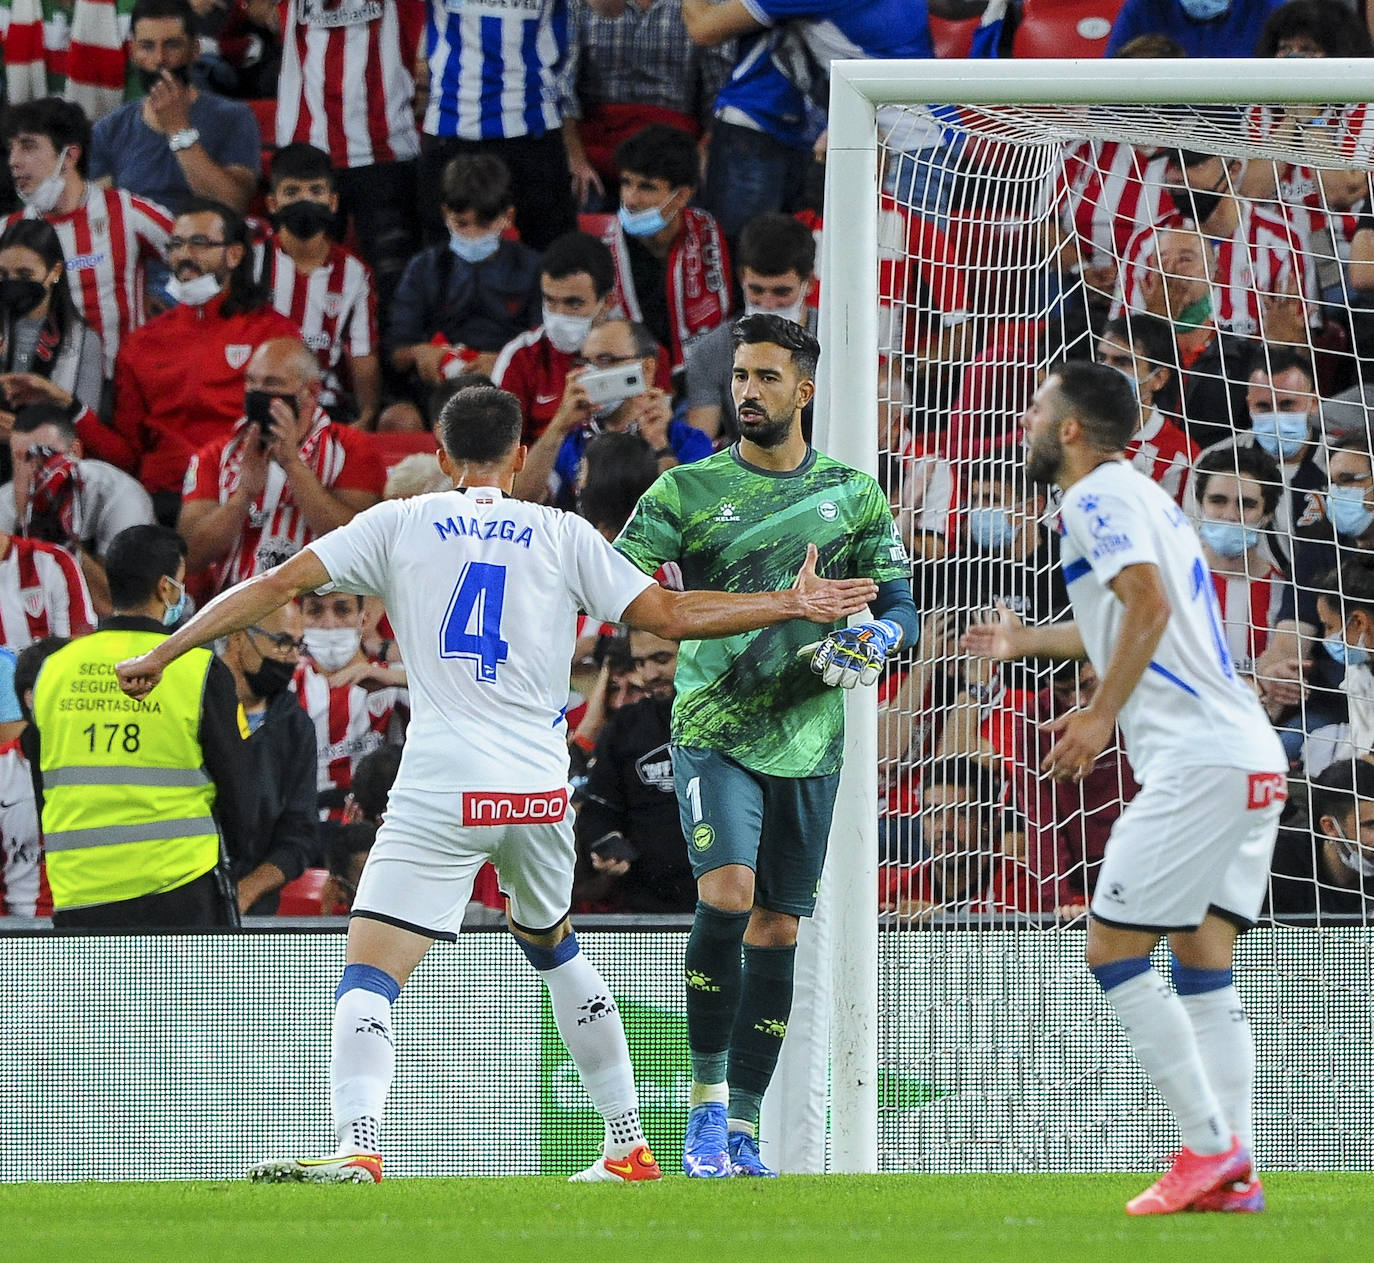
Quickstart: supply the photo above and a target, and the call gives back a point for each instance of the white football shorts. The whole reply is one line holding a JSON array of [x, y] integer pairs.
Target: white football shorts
[[430, 847], [1198, 839]]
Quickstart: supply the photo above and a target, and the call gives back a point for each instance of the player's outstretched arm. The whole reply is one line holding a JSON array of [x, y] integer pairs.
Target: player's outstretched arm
[[1005, 637], [703, 615], [231, 611]]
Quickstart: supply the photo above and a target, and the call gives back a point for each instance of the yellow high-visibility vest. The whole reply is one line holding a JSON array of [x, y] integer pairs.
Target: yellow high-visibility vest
[[127, 800]]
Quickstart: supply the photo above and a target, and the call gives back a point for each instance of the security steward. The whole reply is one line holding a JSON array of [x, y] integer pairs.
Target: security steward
[[139, 797]]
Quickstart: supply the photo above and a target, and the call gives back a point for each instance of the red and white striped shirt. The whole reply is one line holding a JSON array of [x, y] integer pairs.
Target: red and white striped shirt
[[1109, 192], [335, 306], [105, 241], [42, 594], [1249, 609], [350, 722], [345, 84], [1164, 454], [23, 879], [276, 529], [1263, 258]]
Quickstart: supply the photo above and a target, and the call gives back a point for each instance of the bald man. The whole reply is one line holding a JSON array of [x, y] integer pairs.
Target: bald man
[[286, 474]]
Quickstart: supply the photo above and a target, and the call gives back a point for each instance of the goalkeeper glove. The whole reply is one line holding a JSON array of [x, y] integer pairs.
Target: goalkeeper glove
[[853, 655]]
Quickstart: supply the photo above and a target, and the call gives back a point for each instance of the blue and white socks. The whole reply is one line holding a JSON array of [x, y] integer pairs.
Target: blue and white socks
[[363, 1056]]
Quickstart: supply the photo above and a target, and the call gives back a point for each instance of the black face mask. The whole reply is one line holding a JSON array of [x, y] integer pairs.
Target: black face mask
[[1197, 204], [271, 678], [304, 219], [257, 406], [19, 295], [149, 77]]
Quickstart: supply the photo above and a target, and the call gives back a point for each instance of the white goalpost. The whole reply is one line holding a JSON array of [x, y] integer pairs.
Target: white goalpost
[[976, 1034]]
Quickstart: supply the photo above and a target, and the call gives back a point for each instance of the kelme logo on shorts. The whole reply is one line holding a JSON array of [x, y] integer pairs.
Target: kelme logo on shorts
[[829, 510], [702, 836]]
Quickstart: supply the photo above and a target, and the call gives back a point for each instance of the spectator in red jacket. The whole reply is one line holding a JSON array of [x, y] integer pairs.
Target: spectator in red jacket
[[284, 476], [179, 379]]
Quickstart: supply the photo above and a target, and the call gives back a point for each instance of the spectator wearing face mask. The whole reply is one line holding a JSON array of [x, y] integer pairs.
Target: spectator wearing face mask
[[285, 475], [351, 700], [179, 381], [1203, 28], [1326, 865], [460, 302], [776, 259], [279, 753], [576, 277], [48, 354], [551, 468], [320, 285], [59, 496]]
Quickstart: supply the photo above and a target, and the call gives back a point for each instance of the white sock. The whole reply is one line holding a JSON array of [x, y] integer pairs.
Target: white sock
[[1157, 1025], [589, 1022], [361, 1064], [1226, 1046]]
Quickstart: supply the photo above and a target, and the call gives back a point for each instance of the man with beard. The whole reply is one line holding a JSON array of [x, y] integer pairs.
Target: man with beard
[[1190, 856], [757, 733], [629, 839]]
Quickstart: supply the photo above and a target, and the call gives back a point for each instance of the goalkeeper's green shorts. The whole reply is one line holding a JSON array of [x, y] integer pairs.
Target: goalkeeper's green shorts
[[776, 825]]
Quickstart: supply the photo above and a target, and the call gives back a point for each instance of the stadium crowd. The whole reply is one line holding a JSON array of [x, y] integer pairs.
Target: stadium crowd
[[291, 231]]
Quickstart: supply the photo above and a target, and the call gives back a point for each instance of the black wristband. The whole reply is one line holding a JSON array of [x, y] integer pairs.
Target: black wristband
[[665, 450]]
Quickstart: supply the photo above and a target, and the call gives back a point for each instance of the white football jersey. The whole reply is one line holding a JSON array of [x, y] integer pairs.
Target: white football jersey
[[1191, 707], [483, 593]]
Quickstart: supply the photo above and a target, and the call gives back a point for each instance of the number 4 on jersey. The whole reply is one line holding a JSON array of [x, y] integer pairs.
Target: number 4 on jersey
[[472, 625]]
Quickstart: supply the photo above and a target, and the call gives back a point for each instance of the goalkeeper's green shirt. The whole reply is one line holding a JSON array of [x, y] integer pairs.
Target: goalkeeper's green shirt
[[733, 527]]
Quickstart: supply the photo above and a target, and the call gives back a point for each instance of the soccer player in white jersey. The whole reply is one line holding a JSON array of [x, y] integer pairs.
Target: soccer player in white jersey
[[1189, 857], [483, 593]]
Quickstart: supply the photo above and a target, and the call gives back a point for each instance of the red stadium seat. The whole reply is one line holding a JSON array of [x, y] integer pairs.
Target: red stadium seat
[[952, 39], [301, 898], [1064, 28]]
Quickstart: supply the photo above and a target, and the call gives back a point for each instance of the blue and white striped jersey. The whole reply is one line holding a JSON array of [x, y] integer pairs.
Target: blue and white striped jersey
[[494, 66]]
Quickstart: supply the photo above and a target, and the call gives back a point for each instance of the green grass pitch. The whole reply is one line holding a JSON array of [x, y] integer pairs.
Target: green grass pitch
[[863, 1219]]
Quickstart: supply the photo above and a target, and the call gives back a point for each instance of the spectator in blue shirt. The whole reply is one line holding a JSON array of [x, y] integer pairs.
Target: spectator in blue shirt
[[1205, 28], [459, 303], [771, 111], [178, 140]]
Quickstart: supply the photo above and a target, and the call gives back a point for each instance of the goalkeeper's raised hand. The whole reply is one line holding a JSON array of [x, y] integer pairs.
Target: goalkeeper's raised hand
[[853, 655]]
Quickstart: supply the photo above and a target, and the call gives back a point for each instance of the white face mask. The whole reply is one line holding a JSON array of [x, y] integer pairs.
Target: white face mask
[[47, 193], [196, 292], [332, 648], [1352, 855], [792, 313], [567, 333]]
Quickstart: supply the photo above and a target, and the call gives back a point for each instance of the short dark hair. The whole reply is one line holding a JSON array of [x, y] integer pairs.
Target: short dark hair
[[1329, 24], [1335, 789], [300, 161], [373, 779], [977, 780], [480, 424], [767, 327], [1101, 399], [1273, 360], [660, 152], [774, 243], [31, 417], [1251, 461], [620, 468], [1149, 335], [347, 841], [576, 252], [244, 292], [28, 664], [163, 9], [137, 558], [1348, 585], [62, 122], [646, 344], [476, 182]]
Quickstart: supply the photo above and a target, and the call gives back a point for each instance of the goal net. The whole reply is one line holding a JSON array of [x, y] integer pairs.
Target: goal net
[[1219, 251]]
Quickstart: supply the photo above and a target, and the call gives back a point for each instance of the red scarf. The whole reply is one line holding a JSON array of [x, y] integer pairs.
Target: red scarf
[[698, 277]]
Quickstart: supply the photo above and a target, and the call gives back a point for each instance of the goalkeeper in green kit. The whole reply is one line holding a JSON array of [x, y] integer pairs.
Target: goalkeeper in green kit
[[758, 724]]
